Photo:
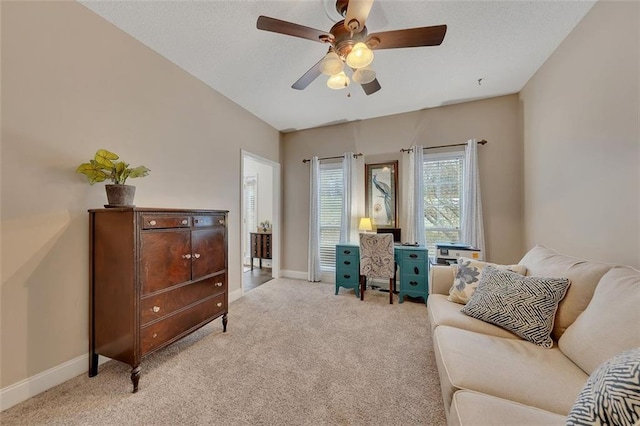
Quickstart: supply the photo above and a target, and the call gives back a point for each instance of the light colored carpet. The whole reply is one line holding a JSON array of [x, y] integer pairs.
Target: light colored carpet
[[294, 354]]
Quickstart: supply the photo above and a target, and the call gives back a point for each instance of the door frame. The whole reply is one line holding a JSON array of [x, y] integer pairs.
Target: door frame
[[277, 228]]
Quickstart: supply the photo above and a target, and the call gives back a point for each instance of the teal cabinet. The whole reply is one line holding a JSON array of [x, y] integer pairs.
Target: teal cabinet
[[413, 264], [348, 267]]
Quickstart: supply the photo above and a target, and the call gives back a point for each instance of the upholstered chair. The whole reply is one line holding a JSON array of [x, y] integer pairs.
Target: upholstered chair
[[376, 261]]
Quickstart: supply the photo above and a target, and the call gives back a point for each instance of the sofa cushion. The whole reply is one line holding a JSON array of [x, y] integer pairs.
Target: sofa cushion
[[468, 273], [524, 305], [516, 370], [443, 312], [473, 408], [610, 324], [584, 276], [612, 393]]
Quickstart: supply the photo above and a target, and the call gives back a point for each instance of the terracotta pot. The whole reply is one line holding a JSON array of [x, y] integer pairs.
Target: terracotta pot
[[120, 195]]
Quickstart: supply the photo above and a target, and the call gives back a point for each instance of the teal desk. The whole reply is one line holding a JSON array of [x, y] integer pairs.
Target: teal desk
[[412, 262]]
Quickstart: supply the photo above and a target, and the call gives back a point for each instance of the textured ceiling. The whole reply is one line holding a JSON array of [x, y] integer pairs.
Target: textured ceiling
[[501, 42]]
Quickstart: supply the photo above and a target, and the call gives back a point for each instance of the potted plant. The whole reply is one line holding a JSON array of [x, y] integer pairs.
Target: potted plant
[[105, 166]]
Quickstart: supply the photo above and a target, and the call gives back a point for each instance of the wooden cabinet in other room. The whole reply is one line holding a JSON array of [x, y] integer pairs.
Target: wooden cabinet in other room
[[260, 247]]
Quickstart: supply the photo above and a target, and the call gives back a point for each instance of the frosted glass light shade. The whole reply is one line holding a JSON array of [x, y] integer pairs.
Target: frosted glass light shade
[[360, 56], [364, 75], [338, 81], [365, 224], [331, 64]]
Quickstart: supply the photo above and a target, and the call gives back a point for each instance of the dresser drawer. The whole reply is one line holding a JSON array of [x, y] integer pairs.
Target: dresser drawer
[[201, 221], [181, 323], [414, 268], [348, 262], [342, 251], [417, 255], [152, 308], [414, 284], [347, 275], [157, 221]]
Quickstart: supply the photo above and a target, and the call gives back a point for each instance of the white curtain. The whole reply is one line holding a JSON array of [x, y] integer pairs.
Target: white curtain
[[415, 218], [314, 221], [472, 225], [347, 222]]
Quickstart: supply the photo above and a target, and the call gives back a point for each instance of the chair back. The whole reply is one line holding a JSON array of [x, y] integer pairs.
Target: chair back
[[376, 256]]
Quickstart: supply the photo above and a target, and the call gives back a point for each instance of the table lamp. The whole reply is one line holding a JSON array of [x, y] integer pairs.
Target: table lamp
[[365, 225]]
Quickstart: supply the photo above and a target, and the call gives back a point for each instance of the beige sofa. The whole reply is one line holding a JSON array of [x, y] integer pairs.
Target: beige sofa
[[490, 376]]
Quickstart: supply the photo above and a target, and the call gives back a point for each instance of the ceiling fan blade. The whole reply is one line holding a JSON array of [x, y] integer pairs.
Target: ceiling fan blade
[[308, 77], [372, 87], [357, 13], [410, 37], [289, 28]]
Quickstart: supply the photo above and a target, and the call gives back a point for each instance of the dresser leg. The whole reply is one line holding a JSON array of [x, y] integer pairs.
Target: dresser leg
[[135, 378], [93, 364], [224, 322]]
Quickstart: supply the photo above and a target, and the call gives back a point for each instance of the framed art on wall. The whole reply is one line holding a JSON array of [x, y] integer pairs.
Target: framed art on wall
[[381, 185]]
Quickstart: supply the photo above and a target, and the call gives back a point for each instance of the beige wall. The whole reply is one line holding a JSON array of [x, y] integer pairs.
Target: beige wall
[[496, 120], [73, 83], [582, 142]]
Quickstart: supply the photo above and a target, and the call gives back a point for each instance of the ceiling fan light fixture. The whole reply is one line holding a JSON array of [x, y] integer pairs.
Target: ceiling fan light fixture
[[338, 81], [360, 56], [364, 75], [331, 64]]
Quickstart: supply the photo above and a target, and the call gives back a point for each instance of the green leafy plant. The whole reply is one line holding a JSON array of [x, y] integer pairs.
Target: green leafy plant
[[105, 166]]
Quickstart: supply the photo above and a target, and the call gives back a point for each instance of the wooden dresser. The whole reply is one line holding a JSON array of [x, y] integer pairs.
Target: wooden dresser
[[156, 275], [260, 246]]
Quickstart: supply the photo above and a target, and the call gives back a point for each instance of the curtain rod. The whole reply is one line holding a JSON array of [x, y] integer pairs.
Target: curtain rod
[[306, 160], [482, 142]]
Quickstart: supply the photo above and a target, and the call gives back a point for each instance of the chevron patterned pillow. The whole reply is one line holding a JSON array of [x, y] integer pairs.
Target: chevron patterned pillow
[[611, 396], [523, 305]]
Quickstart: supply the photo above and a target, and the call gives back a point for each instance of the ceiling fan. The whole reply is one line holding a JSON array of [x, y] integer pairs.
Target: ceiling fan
[[350, 44]]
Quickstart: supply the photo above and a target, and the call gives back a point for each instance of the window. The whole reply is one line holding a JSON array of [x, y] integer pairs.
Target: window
[[250, 214], [443, 197], [331, 194]]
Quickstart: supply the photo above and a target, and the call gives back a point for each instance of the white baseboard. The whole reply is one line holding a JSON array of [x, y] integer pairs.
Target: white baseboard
[[234, 295], [325, 277], [298, 275], [32, 386]]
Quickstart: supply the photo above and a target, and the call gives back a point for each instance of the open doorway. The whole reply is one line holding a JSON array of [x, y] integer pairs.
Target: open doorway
[[260, 220]]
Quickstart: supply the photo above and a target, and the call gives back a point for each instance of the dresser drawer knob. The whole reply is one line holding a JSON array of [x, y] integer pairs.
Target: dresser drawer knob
[[196, 255], [152, 222], [416, 270], [219, 284], [186, 256], [413, 283], [221, 221], [219, 304], [156, 309], [155, 335], [185, 221], [413, 255], [347, 252], [347, 262], [347, 276]]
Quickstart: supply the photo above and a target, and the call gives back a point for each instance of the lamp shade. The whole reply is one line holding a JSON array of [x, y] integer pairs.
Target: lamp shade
[[338, 81], [364, 75], [360, 56], [331, 64], [365, 224]]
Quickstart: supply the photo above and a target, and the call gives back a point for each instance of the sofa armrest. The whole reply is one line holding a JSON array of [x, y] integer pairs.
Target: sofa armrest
[[441, 279]]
